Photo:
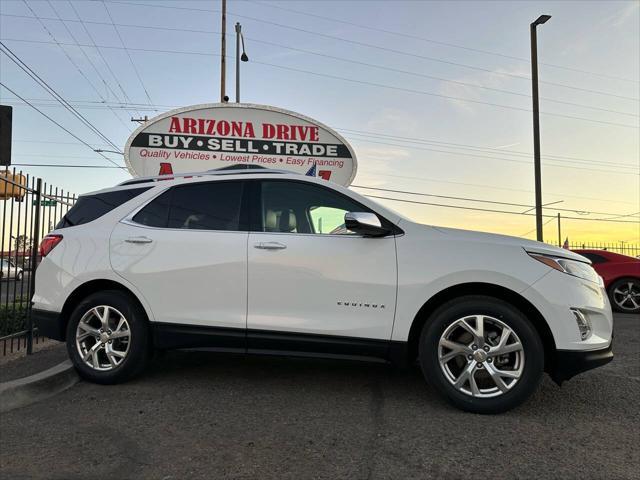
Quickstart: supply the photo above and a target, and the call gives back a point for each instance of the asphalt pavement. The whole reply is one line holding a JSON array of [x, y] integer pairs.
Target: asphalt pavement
[[213, 416]]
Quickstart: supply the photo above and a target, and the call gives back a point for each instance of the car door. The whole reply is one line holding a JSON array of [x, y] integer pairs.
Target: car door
[[186, 252], [313, 285]]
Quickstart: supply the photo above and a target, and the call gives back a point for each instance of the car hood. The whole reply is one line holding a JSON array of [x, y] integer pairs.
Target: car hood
[[506, 240]]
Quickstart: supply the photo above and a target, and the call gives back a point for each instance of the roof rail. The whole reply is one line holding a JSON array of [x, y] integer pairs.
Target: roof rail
[[231, 170]]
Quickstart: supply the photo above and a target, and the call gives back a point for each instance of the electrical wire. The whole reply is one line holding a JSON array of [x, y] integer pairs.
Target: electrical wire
[[477, 209], [378, 47], [438, 42], [363, 82], [31, 73], [65, 166], [133, 65], [351, 61], [71, 60], [468, 199], [59, 125], [104, 60], [413, 147]]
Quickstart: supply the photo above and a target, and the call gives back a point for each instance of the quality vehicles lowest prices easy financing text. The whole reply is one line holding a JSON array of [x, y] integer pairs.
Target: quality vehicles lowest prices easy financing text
[[265, 261]]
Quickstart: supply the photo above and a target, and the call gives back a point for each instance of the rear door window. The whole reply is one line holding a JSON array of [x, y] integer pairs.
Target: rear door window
[[199, 206], [91, 207]]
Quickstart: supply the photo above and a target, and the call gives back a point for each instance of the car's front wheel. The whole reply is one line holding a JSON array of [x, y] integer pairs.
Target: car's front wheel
[[108, 337], [482, 354]]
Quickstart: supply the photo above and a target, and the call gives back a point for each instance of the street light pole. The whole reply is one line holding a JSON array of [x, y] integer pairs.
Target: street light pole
[[239, 58], [536, 122]]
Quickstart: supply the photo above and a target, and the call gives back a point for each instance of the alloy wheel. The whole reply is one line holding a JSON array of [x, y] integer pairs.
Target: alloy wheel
[[627, 297], [103, 338], [481, 356]]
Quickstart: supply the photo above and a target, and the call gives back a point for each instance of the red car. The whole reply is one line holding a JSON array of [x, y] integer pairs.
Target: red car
[[621, 276]]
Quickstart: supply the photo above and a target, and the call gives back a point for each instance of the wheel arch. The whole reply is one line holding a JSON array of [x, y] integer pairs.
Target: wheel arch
[[84, 290], [490, 290]]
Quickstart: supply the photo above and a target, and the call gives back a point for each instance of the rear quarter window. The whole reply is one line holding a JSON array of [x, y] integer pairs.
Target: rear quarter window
[[92, 207]]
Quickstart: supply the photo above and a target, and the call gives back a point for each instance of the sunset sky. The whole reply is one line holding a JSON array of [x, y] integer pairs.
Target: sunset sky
[[433, 96]]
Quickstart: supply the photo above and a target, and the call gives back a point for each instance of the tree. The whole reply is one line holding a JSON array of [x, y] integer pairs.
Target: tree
[[23, 242]]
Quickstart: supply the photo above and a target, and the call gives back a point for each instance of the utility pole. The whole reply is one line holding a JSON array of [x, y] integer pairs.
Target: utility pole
[[536, 122], [559, 232], [223, 43]]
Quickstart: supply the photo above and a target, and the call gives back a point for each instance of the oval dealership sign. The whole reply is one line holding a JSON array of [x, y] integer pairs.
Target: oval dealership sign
[[204, 137]]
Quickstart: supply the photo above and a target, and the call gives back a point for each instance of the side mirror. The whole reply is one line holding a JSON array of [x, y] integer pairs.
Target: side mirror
[[365, 223]]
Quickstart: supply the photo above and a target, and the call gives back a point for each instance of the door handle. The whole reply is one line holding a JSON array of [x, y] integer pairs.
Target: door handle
[[269, 245], [138, 240]]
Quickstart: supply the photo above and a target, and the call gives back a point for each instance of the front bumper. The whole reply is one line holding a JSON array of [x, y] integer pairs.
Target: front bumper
[[569, 363], [50, 324]]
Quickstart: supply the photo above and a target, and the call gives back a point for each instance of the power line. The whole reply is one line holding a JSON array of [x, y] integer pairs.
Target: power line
[[93, 107], [135, 69], [59, 125], [104, 60], [438, 42], [468, 199], [481, 148], [87, 57], [496, 187], [364, 133], [573, 162], [355, 42], [31, 73], [65, 166], [494, 158], [363, 82], [449, 97], [80, 71], [493, 210], [432, 77], [351, 61], [531, 231]]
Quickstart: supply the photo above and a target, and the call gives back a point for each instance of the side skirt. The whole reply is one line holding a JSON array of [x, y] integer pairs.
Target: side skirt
[[268, 342]]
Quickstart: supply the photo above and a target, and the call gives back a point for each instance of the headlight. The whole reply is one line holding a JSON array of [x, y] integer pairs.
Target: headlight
[[572, 267]]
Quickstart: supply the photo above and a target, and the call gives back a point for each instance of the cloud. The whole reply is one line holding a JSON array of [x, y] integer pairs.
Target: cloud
[[497, 78], [621, 16]]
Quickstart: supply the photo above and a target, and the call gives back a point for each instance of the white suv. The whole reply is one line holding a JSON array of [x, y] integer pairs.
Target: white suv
[[264, 261]]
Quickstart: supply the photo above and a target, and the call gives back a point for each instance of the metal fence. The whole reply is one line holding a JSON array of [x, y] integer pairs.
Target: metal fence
[[630, 249], [29, 210]]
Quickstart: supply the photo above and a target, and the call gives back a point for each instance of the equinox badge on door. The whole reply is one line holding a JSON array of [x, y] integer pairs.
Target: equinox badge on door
[[360, 304]]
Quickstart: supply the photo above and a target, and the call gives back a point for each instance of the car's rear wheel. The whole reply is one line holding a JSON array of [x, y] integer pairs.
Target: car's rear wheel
[[624, 295], [19, 276], [108, 337], [482, 354]]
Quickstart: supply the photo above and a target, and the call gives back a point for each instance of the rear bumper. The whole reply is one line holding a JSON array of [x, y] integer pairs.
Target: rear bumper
[[49, 324], [569, 363]]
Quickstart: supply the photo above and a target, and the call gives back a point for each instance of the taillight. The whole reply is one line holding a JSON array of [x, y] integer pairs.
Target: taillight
[[48, 243]]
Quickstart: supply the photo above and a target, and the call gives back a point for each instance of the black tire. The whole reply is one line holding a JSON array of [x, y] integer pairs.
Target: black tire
[[19, 277], [139, 350], [623, 284], [461, 307]]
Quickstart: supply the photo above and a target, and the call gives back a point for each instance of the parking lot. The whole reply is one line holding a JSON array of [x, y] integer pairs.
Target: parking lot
[[205, 415]]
